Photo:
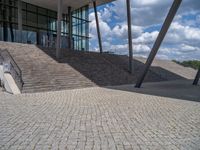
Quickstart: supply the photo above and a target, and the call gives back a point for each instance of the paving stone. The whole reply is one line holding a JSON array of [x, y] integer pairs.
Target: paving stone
[[98, 118]]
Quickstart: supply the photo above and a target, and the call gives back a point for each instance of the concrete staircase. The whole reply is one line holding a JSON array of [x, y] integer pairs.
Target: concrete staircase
[[42, 72], [123, 62], [161, 69]]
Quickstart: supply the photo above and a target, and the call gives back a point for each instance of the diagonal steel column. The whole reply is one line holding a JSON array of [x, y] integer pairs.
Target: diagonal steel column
[[129, 35], [58, 45], [197, 78], [98, 28], [172, 12]]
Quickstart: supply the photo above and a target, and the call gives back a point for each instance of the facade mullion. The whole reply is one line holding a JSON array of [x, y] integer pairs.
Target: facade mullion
[[39, 24]]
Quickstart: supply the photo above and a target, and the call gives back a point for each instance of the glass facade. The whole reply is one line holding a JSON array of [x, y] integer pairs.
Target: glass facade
[[80, 28], [8, 19], [40, 25]]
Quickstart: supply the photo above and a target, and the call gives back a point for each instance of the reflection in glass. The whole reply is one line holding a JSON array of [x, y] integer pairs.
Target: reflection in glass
[[40, 25]]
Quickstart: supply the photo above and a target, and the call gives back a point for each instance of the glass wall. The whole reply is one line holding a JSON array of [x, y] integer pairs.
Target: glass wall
[[40, 25], [8, 19], [80, 28]]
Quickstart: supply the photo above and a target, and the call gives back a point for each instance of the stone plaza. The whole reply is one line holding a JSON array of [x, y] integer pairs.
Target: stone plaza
[[164, 115]]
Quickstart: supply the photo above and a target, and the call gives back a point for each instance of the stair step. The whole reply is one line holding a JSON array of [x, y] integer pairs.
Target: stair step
[[41, 72]]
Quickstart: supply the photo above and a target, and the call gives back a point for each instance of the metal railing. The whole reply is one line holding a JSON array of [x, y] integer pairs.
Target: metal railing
[[15, 71]]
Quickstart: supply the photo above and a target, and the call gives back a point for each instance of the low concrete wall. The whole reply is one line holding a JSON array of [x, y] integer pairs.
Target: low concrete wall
[[9, 83]]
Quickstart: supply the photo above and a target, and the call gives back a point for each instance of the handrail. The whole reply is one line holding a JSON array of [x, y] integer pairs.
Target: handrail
[[20, 72], [14, 66]]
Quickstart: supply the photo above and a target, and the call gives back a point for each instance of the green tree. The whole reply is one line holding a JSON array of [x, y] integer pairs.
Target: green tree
[[191, 63]]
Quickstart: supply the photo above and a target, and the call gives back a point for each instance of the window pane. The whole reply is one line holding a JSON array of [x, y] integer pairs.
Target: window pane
[[14, 15], [42, 22], [31, 37], [31, 8], [24, 17], [1, 14], [1, 32], [42, 11], [23, 5], [52, 24], [24, 36], [80, 28], [52, 14], [31, 19]]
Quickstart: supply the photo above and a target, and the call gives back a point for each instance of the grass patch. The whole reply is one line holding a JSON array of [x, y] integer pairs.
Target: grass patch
[[191, 63]]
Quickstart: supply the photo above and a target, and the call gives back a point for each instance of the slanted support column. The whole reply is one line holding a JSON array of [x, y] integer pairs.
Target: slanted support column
[[129, 36], [20, 20], [197, 78], [58, 44], [172, 12], [98, 28], [70, 27]]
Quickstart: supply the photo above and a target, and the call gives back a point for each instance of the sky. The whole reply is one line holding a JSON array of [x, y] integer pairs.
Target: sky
[[182, 41]]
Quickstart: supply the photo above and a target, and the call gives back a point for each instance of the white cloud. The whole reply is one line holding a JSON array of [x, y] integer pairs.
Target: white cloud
[[181, 42], [106, 14], [146, 37]]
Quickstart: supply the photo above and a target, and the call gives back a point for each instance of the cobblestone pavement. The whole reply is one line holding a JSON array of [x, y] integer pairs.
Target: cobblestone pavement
[[99, 119]]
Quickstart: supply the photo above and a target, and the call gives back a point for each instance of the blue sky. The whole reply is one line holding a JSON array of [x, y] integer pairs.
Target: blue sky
[[181, 43]]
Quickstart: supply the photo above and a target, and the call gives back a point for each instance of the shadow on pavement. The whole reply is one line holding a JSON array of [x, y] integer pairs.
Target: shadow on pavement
[[178, 89], [109, 69]]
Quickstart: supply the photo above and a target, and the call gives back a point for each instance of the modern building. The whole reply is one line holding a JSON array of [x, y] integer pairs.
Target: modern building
[[64, 24], [35, 22]]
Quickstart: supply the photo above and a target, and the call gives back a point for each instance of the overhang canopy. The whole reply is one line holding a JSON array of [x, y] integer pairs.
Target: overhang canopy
[[75, 4]]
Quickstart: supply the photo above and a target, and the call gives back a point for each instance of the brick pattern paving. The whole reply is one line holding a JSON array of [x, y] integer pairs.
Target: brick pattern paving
[[98, 119]]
